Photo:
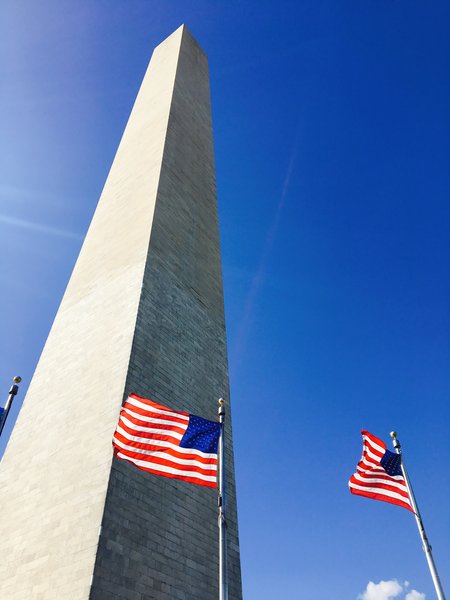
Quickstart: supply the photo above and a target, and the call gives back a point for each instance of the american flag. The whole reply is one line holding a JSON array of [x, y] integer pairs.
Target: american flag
[[378, 474], [167, 442]]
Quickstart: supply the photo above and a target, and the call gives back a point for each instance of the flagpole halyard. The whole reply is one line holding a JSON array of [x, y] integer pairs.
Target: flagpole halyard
[[422, 532], [12, 392], [223, 578]]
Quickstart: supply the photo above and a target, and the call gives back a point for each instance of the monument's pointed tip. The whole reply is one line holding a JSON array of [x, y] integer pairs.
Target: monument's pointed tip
[[177, 33], [179, 29], [183, 29], [183, 35]]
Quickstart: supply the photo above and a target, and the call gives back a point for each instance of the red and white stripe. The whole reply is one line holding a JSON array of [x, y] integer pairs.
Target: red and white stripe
[[372, 481], [149, 434]]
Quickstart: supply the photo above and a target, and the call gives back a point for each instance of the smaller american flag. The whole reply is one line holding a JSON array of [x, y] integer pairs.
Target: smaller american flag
[[379, 475], [167, 442]]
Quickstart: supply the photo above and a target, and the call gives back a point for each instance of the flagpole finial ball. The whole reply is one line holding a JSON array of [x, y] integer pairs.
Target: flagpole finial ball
[[221, 401], [17, 379], [393, 434]]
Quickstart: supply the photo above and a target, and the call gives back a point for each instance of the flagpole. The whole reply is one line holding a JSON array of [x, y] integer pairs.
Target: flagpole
[[223, 579], [423, 535], [12, 392]]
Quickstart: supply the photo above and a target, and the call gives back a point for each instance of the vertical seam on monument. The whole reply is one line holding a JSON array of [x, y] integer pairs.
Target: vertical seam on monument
[[125, 392]]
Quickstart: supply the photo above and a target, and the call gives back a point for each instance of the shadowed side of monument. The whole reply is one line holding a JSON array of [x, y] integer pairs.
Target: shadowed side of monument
[[160, 536]]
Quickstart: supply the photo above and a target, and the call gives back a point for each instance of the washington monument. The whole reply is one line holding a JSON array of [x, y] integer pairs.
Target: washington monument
[[142, 313]]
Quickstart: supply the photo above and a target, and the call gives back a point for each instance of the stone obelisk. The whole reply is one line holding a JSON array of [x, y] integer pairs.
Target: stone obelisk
[[143, 312]]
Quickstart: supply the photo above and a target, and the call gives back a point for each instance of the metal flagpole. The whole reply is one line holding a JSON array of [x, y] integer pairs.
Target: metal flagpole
[[423, 535], [12, 392], [223, 579]]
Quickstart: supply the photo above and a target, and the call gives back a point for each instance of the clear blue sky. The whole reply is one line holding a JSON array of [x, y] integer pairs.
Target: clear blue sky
[[332, 140]]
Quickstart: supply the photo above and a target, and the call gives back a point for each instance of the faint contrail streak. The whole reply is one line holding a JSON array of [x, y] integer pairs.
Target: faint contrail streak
[[36, 227], [258, 277]]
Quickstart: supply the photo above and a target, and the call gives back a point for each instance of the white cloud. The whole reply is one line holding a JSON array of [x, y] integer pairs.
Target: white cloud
[[46, 229], [385, 590], [414, 595], [388, 590]]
